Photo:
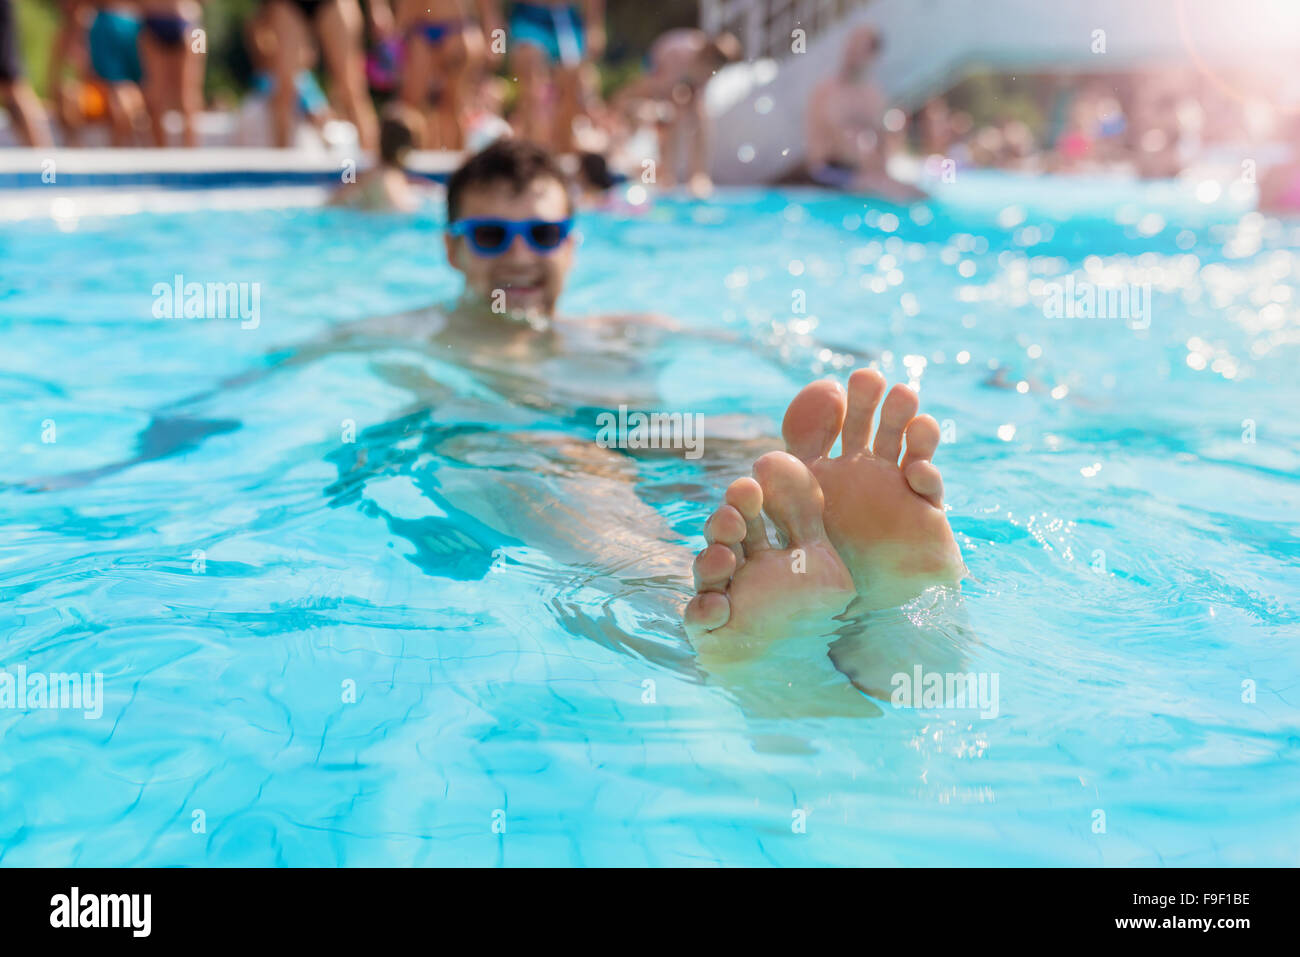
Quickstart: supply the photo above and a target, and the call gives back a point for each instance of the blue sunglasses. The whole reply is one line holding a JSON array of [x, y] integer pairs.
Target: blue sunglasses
[[492, 237]]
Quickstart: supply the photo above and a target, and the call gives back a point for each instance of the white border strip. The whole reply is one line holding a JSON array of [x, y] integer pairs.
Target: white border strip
[[205, 160], [67, 207]]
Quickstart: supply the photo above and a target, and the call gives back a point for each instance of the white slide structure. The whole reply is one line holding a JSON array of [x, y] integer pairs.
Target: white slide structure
[[758, 106]]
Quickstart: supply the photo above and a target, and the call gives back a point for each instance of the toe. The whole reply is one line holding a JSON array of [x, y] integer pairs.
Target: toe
[[813, 420], [925, 481], [866, 387], [746, 497], [899, 409], [922, 439], [791, 497], [725, 526], [706, 612], [713, 568]]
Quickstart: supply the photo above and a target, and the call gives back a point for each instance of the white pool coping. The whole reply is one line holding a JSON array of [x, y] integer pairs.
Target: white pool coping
[[205, 160], [66, 207], [67, 184]]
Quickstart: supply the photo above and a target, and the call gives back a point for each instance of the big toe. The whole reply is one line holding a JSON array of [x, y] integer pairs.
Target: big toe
[[813, 420], [791, 497]]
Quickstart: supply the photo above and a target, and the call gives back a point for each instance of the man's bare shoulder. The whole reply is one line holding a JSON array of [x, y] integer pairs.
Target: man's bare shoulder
[[416, 324], [644, 327], [626, 322]]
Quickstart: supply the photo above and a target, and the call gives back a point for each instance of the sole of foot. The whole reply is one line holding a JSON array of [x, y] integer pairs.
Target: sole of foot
[[752, 594], [884, 497], [764, 614]]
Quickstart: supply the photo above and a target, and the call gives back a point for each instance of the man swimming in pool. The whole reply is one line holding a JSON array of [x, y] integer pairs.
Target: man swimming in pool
[[778, 624], [861, 531]]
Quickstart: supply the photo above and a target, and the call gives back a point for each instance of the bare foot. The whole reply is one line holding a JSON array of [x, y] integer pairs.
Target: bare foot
[[751, 594], [764, 615], [883, 515]]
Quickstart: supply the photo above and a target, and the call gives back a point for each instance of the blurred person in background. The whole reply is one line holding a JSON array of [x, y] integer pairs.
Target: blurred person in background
[[1076, 149], [935, 127], [1279, 186], [16, 94], [173, 61], [77, 96], [986, 147], [445, 49], [1112, 125], [338, 26], [549, 42], [114, 41], [1019, 150], [591, 127], [483, 118], [681, 63], [1154, 132], [846, 135], [310, 101], [386, 50], [1191, 129], [386, 187], [593, 180]]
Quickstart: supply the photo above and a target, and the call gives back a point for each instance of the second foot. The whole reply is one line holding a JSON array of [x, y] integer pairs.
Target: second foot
[[884, 506], [752, 595]]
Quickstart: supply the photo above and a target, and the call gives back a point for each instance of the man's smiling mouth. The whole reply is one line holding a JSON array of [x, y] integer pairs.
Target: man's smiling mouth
[[522, 283]]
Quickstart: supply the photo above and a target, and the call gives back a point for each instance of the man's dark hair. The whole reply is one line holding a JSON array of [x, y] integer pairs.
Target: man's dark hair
[[516, 163]]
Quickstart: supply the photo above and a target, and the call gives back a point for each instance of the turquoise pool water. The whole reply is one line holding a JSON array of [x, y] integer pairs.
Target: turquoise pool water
[[199, 532]]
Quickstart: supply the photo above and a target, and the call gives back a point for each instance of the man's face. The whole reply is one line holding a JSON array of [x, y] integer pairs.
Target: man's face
[[526, 281]]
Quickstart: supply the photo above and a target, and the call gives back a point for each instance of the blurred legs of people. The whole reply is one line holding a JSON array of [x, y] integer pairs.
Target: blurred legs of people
[[16, 95], [682, 63], [530, 69], [173, 66], [339, 27], [685, 127], [114, 39], [309, 100], [549, 44], [75, 96], [443, 51]]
